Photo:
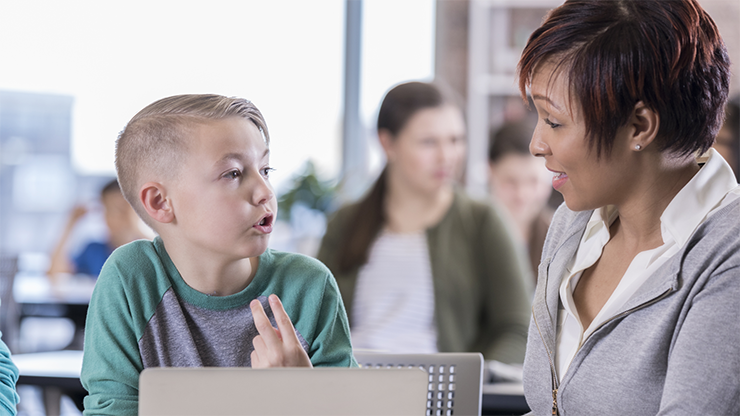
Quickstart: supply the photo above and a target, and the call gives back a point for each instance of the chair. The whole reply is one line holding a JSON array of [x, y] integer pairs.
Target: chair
[[455, 380], [9, 314]]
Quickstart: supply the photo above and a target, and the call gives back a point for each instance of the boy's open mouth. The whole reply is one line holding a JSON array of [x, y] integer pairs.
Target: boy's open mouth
[[266, 221]]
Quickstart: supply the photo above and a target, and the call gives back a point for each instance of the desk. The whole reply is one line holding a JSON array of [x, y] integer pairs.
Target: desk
[[54, 372], [59, 370], [504, 399], [67, 289], [68, 297]]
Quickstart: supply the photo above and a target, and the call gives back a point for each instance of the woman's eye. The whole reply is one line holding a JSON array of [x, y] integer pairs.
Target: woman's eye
[[551, 124]]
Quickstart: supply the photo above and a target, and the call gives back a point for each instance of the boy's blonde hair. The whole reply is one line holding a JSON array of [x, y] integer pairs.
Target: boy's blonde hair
[[153, 144]]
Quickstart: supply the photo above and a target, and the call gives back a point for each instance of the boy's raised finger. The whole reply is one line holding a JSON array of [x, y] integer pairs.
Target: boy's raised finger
[[263, 325], [285, 325]]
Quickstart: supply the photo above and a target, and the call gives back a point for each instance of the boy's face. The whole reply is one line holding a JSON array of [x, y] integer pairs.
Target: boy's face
[[223, 202]]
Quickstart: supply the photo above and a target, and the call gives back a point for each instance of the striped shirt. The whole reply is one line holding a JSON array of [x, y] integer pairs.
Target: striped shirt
[[393, 309]]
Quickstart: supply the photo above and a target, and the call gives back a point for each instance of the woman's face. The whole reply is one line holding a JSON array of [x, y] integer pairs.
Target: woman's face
[[427, 152], [586, 182]]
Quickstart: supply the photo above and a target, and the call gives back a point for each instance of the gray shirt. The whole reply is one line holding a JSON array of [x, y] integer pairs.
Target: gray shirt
[[673, 349]]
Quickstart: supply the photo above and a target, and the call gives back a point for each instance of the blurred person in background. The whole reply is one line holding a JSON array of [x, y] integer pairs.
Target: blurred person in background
[[727, 142], [521, 184], [422, 267], [123, 227]]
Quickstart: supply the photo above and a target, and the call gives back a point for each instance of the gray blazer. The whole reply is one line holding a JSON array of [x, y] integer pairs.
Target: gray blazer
[[674, 349]]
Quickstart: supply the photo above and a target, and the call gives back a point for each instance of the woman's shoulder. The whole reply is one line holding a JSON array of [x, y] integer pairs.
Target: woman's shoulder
[[475, 215], [472, 206], [344, 212], [720, 232]]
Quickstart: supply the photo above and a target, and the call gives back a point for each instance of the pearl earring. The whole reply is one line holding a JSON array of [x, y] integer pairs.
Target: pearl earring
[[638, 147]]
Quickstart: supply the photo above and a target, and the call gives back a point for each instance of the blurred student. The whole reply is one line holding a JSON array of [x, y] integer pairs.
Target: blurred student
[[727, 142], [8, 377], [204, 293], [422, 267], [521, 184], [123, 227]]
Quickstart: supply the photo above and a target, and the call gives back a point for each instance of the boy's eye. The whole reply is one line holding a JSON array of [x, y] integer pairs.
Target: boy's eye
[[551, 124], [233, 174], [266, 171]]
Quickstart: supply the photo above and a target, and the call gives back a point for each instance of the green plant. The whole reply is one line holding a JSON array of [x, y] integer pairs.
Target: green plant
[[309, 190]]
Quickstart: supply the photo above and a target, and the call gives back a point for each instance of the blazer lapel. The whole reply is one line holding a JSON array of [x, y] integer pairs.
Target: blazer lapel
[[547, 295]]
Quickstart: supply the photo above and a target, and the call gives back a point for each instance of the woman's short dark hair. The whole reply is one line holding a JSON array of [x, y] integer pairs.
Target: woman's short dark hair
[[615, 53]]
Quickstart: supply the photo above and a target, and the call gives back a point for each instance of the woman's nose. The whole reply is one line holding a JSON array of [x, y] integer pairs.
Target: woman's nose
[[537, 146]]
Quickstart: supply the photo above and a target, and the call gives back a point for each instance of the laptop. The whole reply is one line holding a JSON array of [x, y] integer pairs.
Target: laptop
[[455, 379], [217, 391]]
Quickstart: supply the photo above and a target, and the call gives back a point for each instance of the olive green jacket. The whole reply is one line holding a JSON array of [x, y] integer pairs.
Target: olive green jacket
[[481, 280]]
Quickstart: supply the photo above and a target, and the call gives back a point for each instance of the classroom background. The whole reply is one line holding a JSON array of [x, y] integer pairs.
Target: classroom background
[[74, 72]]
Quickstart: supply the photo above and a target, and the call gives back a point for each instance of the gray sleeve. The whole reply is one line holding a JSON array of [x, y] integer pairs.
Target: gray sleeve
[[703, 374]]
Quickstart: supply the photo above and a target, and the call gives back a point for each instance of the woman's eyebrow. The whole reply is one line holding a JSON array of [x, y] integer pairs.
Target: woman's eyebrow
[[545, 98]]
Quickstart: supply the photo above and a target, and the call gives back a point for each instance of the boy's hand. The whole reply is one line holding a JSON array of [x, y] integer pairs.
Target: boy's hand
[[276, 347]]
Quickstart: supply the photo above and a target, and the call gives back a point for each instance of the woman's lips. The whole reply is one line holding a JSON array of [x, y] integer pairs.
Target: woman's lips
[[558, 179]]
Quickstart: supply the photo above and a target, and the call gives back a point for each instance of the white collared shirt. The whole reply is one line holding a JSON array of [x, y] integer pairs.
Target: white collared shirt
[[712, 188]]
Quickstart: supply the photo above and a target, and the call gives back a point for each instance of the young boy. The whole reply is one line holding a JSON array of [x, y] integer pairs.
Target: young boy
[[205, 291]]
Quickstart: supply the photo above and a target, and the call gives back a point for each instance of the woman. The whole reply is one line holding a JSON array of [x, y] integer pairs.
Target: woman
[[423, 268], [636, 308]]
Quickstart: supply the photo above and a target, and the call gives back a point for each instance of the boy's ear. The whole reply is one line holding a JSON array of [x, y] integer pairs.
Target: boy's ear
[[153, 197]]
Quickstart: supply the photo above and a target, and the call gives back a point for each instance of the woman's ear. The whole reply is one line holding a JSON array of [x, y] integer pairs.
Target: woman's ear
[[386, 141], [153, 197], [645, 124]]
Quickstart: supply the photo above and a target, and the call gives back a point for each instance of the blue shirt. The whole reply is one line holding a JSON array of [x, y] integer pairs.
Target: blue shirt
[[92, 258]]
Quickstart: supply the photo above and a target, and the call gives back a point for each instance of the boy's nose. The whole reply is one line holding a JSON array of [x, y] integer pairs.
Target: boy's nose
[[262, 192]]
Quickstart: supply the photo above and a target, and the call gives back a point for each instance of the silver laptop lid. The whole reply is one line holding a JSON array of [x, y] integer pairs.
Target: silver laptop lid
[[281, 391]]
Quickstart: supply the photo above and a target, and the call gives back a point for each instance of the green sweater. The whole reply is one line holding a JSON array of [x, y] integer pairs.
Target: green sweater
[[8, 377], [143, 314], [481, 280]]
